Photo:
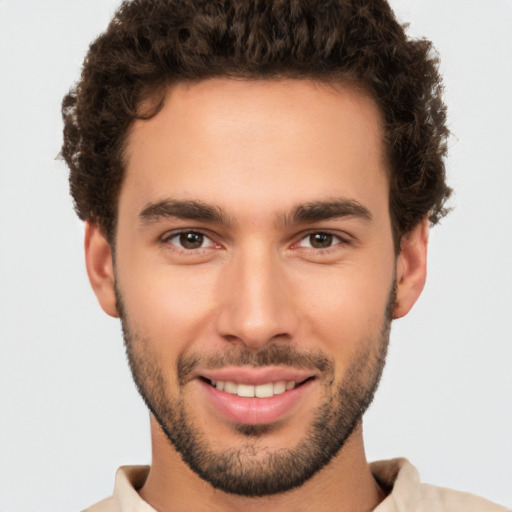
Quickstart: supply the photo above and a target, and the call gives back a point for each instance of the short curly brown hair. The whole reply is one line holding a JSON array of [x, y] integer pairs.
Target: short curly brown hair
[[151, 44]]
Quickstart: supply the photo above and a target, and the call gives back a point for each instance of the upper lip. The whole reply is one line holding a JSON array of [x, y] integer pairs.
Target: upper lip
[[255, 376]]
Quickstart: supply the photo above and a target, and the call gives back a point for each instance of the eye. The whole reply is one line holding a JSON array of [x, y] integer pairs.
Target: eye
[[189, 240], [319, 240]]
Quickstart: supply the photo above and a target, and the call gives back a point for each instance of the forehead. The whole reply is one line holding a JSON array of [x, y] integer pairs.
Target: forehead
[[269, 144]]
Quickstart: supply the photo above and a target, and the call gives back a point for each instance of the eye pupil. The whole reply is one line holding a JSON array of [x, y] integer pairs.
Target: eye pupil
[[191, 240], [320, 240]]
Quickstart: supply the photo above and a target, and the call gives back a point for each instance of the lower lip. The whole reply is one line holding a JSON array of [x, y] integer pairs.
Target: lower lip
[[256, 411]]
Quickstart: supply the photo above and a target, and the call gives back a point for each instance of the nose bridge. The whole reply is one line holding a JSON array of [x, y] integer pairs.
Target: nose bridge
[[256, 306]]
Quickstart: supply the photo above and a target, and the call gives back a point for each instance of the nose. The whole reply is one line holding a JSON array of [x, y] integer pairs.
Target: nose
[[256, 306]]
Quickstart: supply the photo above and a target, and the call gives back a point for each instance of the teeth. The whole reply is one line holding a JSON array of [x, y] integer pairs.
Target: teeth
[[279, 387], [231, 387], [264, 390], [261, 391], [245, 390]]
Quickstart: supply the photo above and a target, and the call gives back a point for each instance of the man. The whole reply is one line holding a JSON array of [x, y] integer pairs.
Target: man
[[257, 181]]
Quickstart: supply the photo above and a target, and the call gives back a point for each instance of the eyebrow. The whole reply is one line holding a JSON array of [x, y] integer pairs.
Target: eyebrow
[[309, 212], [191, 210], [324, 210]]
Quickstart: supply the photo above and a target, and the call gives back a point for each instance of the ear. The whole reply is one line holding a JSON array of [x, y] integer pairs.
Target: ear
[[100, 268], [411, 270]]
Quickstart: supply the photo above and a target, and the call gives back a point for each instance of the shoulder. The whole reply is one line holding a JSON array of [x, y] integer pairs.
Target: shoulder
[[107, 505], [125, 497], [405, 491], [450, 500]]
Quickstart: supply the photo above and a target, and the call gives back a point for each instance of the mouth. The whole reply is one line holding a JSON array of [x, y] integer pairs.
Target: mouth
[[264, 390], [256, 396]]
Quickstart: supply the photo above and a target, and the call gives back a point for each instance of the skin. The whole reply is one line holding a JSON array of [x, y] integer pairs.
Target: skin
[[257, 151]]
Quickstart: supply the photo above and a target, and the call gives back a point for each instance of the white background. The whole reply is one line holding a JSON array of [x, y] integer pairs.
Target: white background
[[69, 413]]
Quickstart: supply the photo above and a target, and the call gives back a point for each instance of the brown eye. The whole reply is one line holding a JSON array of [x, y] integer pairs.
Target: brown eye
[[321, 240], [190, 240]]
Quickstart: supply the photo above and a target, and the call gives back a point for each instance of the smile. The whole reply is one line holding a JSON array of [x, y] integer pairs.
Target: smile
[[265, 390], [256, 396]]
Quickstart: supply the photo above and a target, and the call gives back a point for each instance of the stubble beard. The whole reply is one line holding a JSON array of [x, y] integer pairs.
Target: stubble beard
[[251, 469]]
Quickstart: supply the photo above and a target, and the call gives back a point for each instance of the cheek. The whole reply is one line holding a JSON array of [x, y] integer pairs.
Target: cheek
[[168, 307], [346, 307]]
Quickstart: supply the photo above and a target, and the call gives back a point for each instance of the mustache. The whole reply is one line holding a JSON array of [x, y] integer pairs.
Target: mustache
[[273, 355]]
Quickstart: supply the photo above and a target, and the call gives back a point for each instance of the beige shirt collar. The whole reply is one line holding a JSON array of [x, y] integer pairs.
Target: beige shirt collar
[[398, 477], [405, 488]]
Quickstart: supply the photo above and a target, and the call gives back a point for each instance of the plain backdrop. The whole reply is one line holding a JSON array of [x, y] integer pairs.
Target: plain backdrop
[[69, 413]]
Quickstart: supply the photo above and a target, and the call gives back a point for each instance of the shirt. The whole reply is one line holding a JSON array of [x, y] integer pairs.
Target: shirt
[[397, 476]]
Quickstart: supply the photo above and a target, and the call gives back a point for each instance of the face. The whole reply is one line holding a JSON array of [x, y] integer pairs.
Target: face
[[255, 274]]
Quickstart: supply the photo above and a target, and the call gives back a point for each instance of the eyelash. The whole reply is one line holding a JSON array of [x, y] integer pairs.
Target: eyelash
[[341, 241], [166, 239], [335, 246]]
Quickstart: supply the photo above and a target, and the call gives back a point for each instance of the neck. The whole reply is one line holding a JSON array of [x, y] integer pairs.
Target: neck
[[344, 485]]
